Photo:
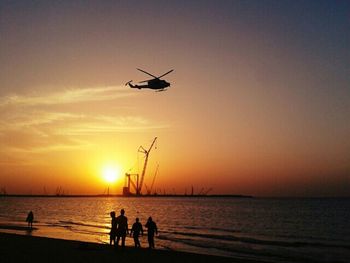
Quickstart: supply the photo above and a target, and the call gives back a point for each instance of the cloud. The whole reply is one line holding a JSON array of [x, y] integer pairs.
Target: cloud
[[102, 124], [61, 121], [67, 96]]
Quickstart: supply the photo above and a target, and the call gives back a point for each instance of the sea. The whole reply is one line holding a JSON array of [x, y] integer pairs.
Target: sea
[[265, 229]]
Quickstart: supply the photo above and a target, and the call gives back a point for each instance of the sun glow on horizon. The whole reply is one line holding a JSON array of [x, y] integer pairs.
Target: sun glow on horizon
[[111, 174]]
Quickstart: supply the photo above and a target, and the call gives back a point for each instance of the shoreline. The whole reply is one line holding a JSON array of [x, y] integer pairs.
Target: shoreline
[[130, 196], [26, 248]]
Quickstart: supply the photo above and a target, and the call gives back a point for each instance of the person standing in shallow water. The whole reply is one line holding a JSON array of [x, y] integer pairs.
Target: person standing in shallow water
[[122, 228], [113, 233], [151, 229], [135, 232], [30, 219]]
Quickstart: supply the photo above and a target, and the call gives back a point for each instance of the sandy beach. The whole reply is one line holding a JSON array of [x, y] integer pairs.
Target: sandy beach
[[19, 248]]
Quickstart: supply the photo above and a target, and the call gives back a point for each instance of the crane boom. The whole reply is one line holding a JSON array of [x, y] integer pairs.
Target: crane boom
[[146, 152], [154, 178]]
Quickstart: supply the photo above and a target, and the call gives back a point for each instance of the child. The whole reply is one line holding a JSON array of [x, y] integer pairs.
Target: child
[[136, 230], [151, 229]]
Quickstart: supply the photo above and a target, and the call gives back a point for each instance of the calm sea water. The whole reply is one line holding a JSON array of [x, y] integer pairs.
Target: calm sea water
[[276, 230]]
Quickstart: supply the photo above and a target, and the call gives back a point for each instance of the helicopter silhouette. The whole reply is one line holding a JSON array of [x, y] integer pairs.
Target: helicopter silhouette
[[156, 83]]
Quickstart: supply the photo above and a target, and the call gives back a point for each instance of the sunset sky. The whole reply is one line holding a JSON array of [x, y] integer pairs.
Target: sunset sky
[[259, 102]]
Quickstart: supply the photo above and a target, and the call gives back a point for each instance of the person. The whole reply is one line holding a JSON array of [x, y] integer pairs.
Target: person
[[113, 232], [151, 229], [122, 228], [30, 219], [135, 232]]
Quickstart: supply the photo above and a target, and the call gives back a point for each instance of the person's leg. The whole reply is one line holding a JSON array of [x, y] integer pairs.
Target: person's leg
[[138, 242], [152, 241], [117, 243], [149, 241], [123, 240]]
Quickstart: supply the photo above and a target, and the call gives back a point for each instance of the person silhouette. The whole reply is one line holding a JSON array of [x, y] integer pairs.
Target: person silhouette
[[113, 232], [30, 219], [135, 232], [122, 228], [151, 229]]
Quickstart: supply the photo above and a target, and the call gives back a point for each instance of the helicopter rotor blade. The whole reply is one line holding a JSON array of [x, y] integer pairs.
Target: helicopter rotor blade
[[147, 73], [166, 73]]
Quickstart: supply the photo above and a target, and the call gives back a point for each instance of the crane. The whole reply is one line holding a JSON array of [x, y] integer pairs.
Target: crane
[[154, 178], [133, 180], [149, 190], [146, 152]]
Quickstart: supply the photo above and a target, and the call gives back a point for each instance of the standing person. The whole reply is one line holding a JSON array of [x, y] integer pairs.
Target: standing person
[[30, 219], [122, 228], [135, 231], [113, 232], [151, 229]]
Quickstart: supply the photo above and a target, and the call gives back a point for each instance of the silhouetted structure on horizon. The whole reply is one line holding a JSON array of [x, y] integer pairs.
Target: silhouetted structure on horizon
[[135, 180]]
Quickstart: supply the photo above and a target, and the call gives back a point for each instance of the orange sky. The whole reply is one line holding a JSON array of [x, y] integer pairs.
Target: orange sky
[[259, 102]]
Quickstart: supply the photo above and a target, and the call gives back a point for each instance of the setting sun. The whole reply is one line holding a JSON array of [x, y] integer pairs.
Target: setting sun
[[111, 174]]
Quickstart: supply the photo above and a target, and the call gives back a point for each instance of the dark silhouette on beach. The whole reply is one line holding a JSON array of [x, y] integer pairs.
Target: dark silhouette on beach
[[30, 219], [122, 228], [151, 229], [113, 233], [135, 232]]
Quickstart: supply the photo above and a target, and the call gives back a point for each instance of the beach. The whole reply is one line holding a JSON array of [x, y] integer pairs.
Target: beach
[[20, 248], [248, 230]]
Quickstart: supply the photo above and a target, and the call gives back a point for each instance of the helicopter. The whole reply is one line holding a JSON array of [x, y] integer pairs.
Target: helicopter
[[156, 83]]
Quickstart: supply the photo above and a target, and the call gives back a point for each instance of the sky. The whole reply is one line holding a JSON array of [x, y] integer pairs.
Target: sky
[[259, 102]]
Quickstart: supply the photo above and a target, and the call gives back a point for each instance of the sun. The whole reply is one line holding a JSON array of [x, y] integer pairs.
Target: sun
[[111, 174]]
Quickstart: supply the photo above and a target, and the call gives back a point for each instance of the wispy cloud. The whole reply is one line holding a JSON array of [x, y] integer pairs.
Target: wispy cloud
[[60, 121], [74, 124], [107, 124], [67, 96]]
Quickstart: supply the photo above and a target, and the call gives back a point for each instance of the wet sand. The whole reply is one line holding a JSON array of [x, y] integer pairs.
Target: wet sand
[[19, 248]]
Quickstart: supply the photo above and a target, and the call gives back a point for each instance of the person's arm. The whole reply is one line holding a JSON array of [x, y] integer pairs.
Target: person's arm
[[156, 228]]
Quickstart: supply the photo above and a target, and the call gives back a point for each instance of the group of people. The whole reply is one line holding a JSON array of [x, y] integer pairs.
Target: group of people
[[119, 230]]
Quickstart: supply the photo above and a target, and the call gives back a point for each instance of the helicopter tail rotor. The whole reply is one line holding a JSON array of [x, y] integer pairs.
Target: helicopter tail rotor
[[128, 83]]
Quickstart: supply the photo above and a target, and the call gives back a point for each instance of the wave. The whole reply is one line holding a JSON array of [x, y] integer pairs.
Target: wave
[[71, 227], [244, 252], [83, 224], [17, 227], [238, 252], [213, 228], [259, 241]]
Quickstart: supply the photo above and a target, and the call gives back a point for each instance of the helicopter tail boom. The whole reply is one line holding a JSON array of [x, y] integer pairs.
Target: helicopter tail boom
[[134, 86]]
